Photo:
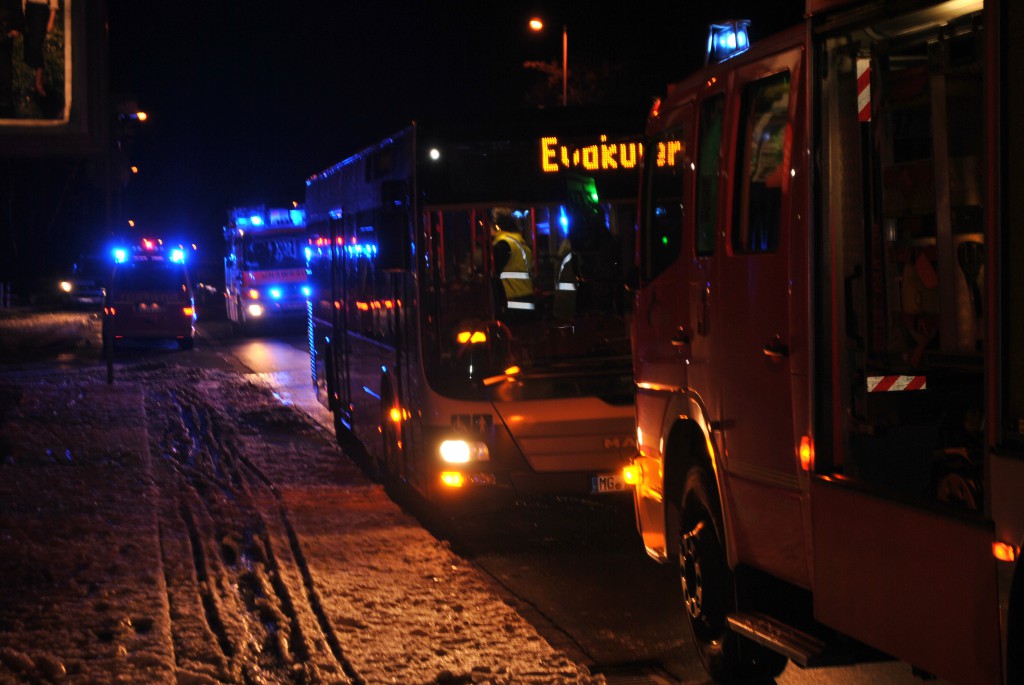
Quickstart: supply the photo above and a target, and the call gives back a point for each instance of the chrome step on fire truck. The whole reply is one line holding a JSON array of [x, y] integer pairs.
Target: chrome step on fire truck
[[828, 342]]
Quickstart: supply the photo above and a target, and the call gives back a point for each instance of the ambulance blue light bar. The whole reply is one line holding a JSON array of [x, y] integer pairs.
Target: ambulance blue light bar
[[150, 249], [727, 39]]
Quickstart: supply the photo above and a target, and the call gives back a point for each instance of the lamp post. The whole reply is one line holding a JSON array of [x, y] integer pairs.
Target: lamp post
[[538, 25]]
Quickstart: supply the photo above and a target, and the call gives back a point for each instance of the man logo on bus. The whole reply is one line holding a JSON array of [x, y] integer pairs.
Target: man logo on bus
[[481, 424]]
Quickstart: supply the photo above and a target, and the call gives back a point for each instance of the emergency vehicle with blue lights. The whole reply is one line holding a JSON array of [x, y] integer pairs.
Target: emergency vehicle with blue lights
[[454, 387], [264, 266], [149, 296], [828, 337]]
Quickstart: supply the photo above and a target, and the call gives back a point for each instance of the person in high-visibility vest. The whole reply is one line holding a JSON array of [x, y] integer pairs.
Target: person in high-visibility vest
[[513, 262], [564, 299]]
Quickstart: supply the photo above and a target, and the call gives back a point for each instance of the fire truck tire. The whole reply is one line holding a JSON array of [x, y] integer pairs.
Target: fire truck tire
[[709, 590]]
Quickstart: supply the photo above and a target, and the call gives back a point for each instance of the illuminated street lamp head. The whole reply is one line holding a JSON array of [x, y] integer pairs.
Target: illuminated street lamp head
[[536, 24]]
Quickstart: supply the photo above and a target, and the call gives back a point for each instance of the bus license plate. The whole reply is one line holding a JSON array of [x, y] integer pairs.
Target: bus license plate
[[607, 482]]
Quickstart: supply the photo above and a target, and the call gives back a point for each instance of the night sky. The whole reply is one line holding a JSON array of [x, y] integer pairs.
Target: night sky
[[248, 99]]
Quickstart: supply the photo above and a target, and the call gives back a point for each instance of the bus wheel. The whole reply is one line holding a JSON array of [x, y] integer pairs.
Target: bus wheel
[[709, 590]]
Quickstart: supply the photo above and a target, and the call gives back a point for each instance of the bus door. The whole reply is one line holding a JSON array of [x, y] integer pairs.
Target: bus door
[[749, 314], [337, 361], [902, 547]]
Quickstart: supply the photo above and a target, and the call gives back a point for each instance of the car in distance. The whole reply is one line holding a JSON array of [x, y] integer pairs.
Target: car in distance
[[83, 287]]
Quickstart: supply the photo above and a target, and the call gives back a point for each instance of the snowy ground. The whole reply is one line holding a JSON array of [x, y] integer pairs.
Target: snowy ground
[[183, 526]]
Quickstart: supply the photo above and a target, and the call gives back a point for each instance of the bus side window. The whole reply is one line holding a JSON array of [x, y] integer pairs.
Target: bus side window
[[758, 209]]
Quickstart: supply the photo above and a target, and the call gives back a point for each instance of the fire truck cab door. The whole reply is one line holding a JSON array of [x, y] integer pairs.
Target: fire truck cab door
[[661, 323], [751, 313]]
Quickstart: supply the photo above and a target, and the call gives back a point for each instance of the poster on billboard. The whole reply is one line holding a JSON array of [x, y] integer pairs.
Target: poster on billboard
[[35, 62]]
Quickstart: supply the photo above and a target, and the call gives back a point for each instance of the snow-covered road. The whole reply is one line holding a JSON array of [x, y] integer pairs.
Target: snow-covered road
[[184, 525]]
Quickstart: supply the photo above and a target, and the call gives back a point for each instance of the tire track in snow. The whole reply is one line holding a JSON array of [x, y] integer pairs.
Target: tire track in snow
[[311, 594], [221, 490]]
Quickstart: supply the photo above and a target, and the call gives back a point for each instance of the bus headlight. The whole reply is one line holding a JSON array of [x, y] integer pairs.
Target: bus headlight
[[462, 451]]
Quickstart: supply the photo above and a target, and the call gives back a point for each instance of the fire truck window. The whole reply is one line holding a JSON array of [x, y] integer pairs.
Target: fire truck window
[[758, 209], [663, 229], [708, 166]]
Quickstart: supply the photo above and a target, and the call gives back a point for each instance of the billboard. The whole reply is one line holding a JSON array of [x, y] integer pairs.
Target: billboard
[[53, 63]]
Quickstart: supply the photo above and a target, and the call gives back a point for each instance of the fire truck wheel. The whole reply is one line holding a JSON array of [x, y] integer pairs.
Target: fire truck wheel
[[709, 590]]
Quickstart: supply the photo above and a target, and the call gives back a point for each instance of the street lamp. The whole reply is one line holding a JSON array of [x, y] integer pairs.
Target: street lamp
[[538, 25]]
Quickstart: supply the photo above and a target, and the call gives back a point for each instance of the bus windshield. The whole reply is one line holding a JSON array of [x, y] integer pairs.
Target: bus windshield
[[528, 302]]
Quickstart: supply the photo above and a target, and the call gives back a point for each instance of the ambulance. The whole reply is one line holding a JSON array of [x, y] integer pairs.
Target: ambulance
[[150, 295]]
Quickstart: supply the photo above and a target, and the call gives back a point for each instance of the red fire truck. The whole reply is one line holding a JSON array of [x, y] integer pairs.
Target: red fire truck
[[828, 340], [265, 266]]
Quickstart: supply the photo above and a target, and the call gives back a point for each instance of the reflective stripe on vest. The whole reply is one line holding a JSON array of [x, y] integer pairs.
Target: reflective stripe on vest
[[567, 272]]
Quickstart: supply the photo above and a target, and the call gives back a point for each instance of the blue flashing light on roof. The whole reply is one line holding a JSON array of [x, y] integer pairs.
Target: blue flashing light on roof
[[178, 255], [120, 255], [727, 39]]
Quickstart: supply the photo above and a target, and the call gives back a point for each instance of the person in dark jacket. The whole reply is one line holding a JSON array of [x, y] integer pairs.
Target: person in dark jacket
[[40, 19], [12, 25]]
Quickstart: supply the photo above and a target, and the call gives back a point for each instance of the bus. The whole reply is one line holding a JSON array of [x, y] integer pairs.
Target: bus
[[465, 379], [828, 333]]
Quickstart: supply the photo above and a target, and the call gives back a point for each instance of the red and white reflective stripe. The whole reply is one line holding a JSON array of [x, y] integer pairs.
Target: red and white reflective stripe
[[896, 383], [864, 89]]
